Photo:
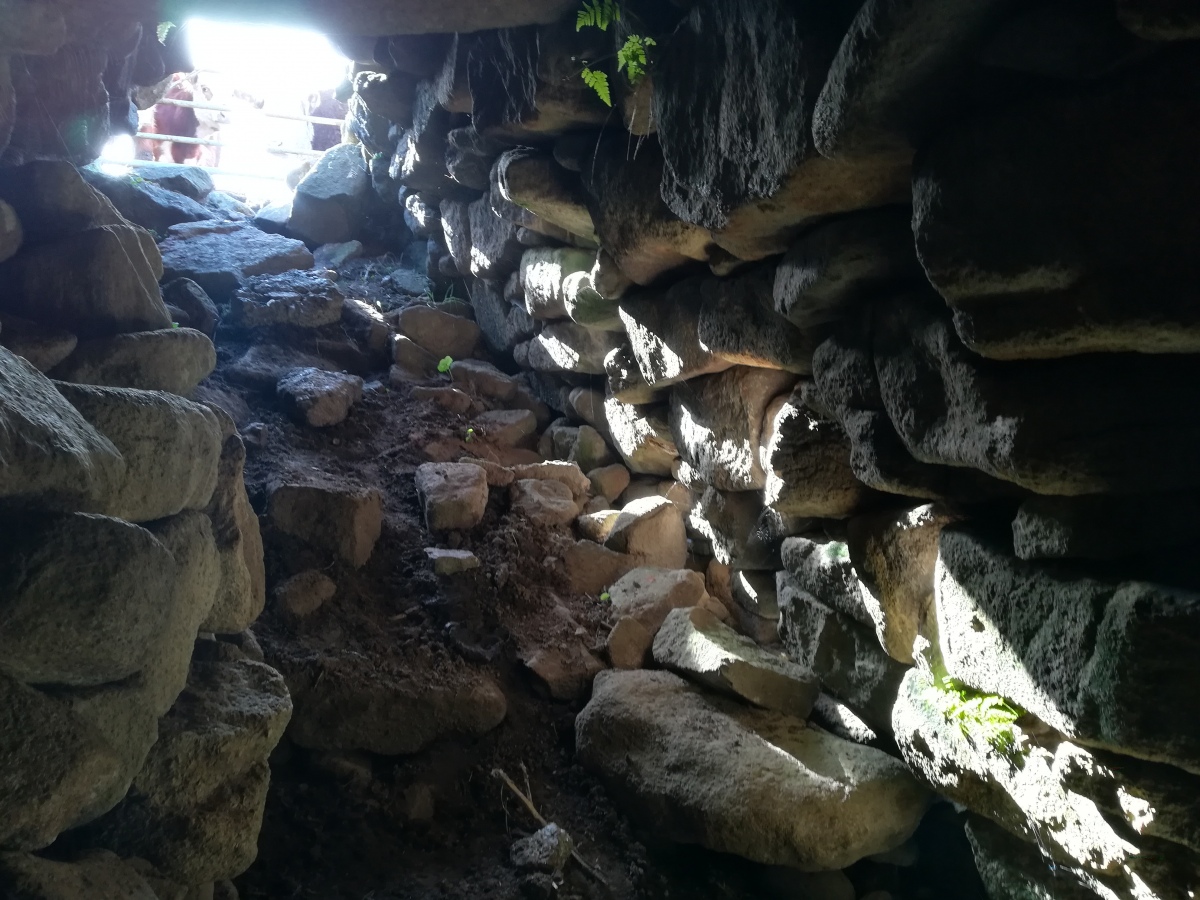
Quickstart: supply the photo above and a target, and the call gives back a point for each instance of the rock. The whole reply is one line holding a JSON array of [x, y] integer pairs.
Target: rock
[[437, 332], [1041, 295], [334, 256], [807, 463], [609, 481], [101, 281], [11, 233], [412, 359], [641, 436], [451, 399], [824, 569], [739, 325], [495, 250], [690, 761], [1104, 527], [42, 346], [453, 495], [665, 338], [1092, 658], [651, 531], [589, 450], [567, 347], [305, 299], [642, 598], [624, 378], [211, 755], [226, 206], [319, 399], [170, 446], [506, 427], [543, 274], [836, 264], [590, 568], [565, 671], [191, 181], [973, 420], [345, 521], [142, 202], [52, 200], [483, 379], [546, 503], [100, 875], [842, 653], [422, 215], [221, 256], [900, 71], [596, 526], [503, 325], [330, 199], [173, 360], [273, 218], [740, 529], [243, 588], [695, 644], [537, 183], [451, 562], [185, 294], [390, 96], [546, 850], [302, 595], [755, 605], [717, 424]]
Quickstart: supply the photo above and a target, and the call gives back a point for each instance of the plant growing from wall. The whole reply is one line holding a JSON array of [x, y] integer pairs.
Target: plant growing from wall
[[980, 716], [632, 58]]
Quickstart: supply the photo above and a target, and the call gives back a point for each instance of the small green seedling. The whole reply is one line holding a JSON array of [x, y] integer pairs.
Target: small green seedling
[[470, 435], [606, 596], [174, 324], [445, 363]]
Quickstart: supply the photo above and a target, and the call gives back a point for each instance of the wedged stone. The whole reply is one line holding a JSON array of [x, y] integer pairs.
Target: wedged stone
[[419, 162], [543, 502], [452, 562], [842, 653], [1050, 426], [227, 206], [899, 72], [506, 427], [1094, 658], [807, 463], [191, 181], [483, 379], [894, 555], [566, 672], [421, 215], [717, 421], [495, 250], [387, 95], [52, 200], [54, 457], [650, 530], [319, 399], [173, 360], [590, 567], [330, 199], [100, 281], [837, 263], [537, 183], [303, 594], [554, 470], [738, 324], [1018, 288], [305, 299], [273, 217], [1105, 527], [152, 206], [344, 521], [55, 765], [502, 324], [609, 481], [664, 334], [568, 347], [170, 446], [587, 306], [695, 644], [185, 294], [642, 598], [438, 332], [824, 569], [411, 358], [356, 707], [624, 378], [595, 526], [84, 595], [221, 256], [44, 347], [688, 762], [739, 528], [589, 451], [543, 273], [102, 876], [633, 224], [196, 807], [454, 495], [756, 605], [469, 157]]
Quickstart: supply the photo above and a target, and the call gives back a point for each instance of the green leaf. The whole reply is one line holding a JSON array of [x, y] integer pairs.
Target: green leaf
[[632, 58], [597, 14], [445, 363], [598, 82], [606, 596]]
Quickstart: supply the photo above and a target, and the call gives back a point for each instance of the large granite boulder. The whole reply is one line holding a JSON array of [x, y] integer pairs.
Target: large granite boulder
[[331, 198], [172, 359]]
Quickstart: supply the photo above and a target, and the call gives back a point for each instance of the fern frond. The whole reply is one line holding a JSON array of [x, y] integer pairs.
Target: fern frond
[[598, 82], [597, 14], [632, 58]]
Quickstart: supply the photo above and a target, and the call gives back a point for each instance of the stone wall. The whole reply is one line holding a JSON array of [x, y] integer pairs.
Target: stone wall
[[894, 301]]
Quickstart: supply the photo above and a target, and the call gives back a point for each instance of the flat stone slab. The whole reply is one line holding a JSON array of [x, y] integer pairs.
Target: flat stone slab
[[305, 299], [221, 256]]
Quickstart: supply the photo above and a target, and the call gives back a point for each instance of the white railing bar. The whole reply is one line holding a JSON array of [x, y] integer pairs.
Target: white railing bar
[[141, 163], [193, 104], [179, 139]]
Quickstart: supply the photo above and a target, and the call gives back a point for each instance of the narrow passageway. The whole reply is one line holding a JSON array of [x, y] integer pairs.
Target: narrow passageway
[[599, 450]]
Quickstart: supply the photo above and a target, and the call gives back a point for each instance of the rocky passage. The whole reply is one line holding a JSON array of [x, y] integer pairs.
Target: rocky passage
[[778, 484]]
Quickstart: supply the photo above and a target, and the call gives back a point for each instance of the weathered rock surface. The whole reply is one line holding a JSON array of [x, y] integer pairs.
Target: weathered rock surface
[[191, 181], [664, 334], [222, 255], [483, 379], [717, 424], [173, 360], [185, 294], [543, 502], [52, 200], [688, 762], [142, 202], [317, 398], [650, 530], [453, 495], [241, 593], [537, 183], [330, 199], [344, 521], [102, 875], [568, 347], [438, 332], [1103, 526], [503, 325], [694, 643], [738, 324], [543, 273], [305, 299], [740, 529], [43, 346]]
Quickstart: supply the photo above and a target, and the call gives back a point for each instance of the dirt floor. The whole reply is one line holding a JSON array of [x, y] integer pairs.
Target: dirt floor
[[438, 823]]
